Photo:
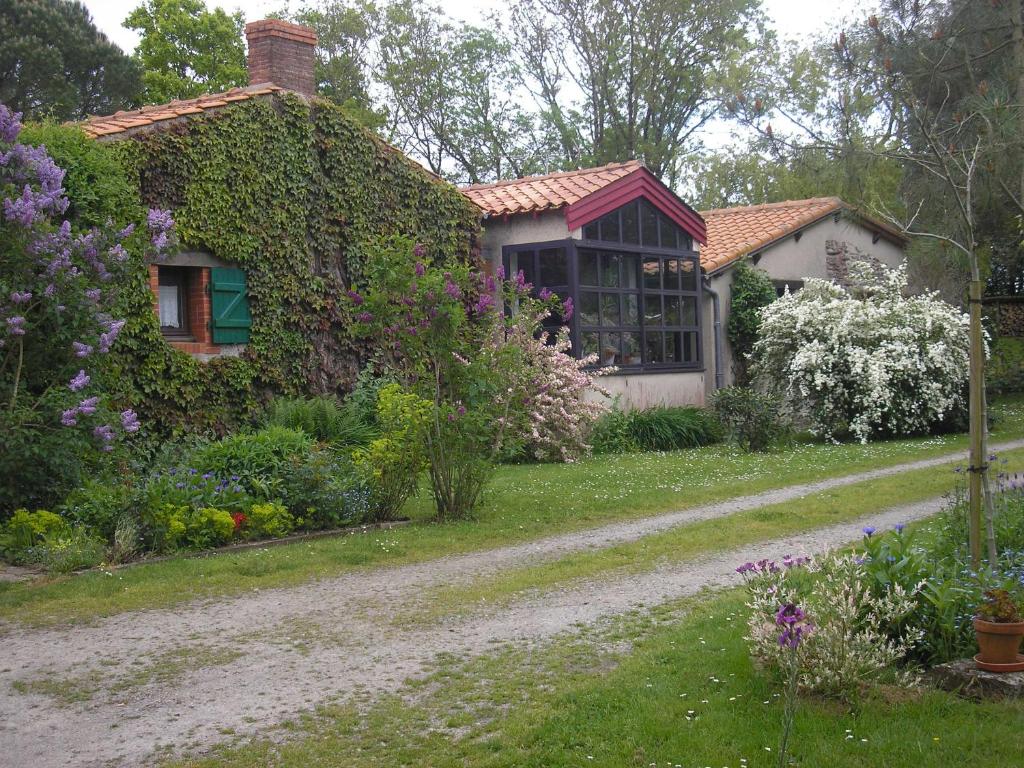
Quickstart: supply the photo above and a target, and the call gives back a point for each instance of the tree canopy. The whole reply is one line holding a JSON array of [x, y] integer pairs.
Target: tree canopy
[[186, 50], [54, 63]]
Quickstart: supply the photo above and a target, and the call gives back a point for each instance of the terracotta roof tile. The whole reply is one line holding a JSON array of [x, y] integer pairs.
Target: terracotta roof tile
[[120, 122], [736, 232], [542, 193]]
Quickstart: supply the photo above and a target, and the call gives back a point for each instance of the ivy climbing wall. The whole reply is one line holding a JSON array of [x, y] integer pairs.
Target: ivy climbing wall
[[298, 195]]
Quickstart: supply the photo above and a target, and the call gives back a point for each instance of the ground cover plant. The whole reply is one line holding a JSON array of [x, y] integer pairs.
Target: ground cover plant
[[524, 502]]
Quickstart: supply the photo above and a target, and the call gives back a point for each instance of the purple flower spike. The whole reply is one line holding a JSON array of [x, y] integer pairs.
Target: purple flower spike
[[130, 421], [356, 298], [419, 250], [16, 325], [567, 309], [79, 382], [421, 269], [545, 294], [81, 350]]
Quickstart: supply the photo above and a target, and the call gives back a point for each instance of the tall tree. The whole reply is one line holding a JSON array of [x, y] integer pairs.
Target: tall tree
[[186, 50], [451, 92], [55, 63], [621, 79]]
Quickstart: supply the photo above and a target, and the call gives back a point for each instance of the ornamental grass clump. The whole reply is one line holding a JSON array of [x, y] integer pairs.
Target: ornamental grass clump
[[867, 360]]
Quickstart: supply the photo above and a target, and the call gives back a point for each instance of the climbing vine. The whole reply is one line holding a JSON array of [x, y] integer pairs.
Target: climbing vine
[[298, 195]]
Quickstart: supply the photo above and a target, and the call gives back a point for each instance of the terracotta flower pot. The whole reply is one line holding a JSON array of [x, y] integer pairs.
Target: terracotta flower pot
[[999, 642]]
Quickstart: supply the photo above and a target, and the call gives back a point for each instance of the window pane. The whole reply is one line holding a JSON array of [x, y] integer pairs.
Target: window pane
[[554, 267], [652, 310], [610, 346], [631, 309], [629, 263], [671, 267], [588, 308], [590, 231], [588, 268], [170, 310], [674, 347], [610, 270], [610, 227], [690, 349], [630, 224], [590, 343], [648, 225], [689, 312], [668, 233], [654, 352], [672, 310], [631, 349], [652, 273], [688, 271], [610, 309]]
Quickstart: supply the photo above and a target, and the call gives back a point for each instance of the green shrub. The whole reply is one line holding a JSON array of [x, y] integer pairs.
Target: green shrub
[[1004, 371], [751, 291], [668, 429], [750, 419], [173, 526], [323, 490], [164, 526], [25, 530], [322, 418], [208, 527], [98, 506], [268, 521], [68, 549], [611, 433], [251, 457]]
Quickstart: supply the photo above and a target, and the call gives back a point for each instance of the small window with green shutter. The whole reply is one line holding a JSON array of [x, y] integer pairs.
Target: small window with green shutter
[[229, 302]]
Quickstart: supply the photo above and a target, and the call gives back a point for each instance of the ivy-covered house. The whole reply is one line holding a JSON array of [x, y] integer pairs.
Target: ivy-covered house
[[650, 278], [279, 198]]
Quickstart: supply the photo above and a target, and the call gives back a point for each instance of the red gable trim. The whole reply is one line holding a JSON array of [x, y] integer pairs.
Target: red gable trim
[[640, 183]]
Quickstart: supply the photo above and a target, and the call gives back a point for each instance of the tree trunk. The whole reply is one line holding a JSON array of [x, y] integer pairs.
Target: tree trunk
[[978, 456]]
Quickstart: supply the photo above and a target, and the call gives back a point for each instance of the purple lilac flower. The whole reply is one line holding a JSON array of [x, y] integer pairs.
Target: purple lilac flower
[[107, 339], [81, 350], [364, 317], [79, 382], [69, 417], [104, 432], [545, 294], [419, 251], [50, 289], [16, 325], [521, 284], [10, 124], [126, 232], [420, 269], [461, 410], [484, 303], [501, 271], [88, 406], [355, 297], [21, 297], [452, 290], [567, 309], [130, 421], [158, 220]]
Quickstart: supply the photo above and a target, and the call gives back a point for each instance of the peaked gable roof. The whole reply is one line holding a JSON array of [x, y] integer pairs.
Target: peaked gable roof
[[742, 230], [584, 195], [120, 122]]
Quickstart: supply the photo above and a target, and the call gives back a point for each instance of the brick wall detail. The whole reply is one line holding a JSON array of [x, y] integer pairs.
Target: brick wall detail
[[283, 54]]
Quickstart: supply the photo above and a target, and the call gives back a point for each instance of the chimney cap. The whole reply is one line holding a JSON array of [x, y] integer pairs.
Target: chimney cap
[[255, 30]]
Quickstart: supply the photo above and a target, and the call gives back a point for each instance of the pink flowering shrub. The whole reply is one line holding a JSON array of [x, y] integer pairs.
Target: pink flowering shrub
[[58, 289], [556, 418], [442, 336]]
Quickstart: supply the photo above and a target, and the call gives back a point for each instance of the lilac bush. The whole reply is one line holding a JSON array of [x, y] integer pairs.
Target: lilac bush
[[58, 291]]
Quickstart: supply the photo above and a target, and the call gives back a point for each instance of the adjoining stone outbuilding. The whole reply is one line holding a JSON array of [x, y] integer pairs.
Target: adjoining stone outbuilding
[[650, 278]]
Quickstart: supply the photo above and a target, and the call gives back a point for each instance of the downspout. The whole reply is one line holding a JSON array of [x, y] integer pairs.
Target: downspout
[[716, 311]]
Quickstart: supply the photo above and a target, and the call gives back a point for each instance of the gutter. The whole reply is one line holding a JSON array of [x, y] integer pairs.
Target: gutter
[[716, 311]]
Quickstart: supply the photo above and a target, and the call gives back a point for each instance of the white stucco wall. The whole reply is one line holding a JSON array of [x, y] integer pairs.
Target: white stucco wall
[[645, 390], [523, 229]]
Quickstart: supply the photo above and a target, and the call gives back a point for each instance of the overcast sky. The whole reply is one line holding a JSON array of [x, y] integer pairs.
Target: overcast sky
[[793, 18]]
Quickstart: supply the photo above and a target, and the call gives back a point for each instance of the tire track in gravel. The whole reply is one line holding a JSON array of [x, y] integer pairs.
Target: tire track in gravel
[[310, 644]]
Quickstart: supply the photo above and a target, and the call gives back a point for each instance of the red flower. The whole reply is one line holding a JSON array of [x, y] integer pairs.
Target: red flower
[[239, 519]]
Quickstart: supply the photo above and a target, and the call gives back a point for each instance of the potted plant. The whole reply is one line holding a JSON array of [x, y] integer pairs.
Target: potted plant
[[999, 627]]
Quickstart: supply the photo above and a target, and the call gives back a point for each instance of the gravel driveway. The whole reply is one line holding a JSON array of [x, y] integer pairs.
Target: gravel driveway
[[126, 689]]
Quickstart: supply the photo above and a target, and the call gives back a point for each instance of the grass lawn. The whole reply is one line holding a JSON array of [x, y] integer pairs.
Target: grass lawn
[[676, 689], [523, 502]]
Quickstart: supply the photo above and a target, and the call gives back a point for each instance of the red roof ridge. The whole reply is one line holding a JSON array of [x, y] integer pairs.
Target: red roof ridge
[[806, 202], [556, 175]]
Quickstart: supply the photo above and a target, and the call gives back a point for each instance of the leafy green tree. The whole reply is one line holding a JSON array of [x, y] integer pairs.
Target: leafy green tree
[[621, 79], [752, 290], [55, 63], [186, 50]]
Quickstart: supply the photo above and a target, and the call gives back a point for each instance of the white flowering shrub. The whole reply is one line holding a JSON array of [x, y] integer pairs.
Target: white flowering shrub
[[865, 360], [848, 638]]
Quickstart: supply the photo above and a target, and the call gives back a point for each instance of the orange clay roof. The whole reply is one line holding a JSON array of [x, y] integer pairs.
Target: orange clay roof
[[119, 122], [542, 193], [736, 232]]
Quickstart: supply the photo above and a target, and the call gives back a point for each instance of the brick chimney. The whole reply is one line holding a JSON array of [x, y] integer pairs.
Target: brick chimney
[[282, 54]]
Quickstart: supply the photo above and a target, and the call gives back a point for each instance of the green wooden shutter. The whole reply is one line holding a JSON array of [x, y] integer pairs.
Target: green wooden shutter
[[229, 304]]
